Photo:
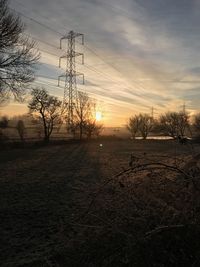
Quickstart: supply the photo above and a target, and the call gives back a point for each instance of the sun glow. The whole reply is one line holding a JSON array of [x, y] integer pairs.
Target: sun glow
[[98, 116]]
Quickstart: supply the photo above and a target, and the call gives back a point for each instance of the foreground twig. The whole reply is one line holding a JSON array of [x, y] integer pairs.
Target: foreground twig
[[135, 169]]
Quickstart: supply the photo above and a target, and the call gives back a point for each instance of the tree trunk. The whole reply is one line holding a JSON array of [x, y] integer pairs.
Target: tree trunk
[[133, 136], [46, 138], [81, 131]]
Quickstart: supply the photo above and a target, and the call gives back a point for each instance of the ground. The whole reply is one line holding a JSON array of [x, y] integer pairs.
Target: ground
[[45, 193]]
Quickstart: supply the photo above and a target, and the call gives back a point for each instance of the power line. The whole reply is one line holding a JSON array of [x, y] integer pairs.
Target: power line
[[59, 33], [50, 53], [90, 49], [53, 30], [97, 72], [44, 42], [55, 86], [36, 21], [42, 15]]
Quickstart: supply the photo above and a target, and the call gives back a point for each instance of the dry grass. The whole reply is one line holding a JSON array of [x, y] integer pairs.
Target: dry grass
[[87, 205]]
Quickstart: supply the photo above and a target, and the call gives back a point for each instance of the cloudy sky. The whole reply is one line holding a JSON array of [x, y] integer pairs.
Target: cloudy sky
[[138, 53]]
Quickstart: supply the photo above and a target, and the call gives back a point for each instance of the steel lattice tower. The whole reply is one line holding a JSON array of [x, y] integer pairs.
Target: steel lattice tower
[[70, 88]]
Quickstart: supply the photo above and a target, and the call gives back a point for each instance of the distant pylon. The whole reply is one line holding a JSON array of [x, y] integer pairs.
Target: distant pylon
[[152, 112], [70, 87], [184, 107]]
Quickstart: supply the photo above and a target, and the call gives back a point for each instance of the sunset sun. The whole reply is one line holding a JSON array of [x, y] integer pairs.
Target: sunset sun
[[98, 116]]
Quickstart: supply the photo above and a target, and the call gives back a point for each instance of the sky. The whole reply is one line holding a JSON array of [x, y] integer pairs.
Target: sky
[[139, 54]]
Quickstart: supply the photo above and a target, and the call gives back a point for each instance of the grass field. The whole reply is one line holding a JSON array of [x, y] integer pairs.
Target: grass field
[[60, 207]]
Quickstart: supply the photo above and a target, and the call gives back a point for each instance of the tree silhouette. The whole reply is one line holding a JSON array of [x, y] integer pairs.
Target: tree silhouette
[[82, 111], [21, 129], [3, 122], [91, 128], [133, 125], [47, 108], [197, 123], [174, 124], [145, 124], [84, 117], [18, 56]]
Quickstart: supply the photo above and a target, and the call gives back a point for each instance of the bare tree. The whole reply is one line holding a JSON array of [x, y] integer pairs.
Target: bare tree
[[3, 125], [91, 128], [47, 108], [21, 129], [174, 124], [98, 129], [38, 126], [197, 121], [168, 123], [4, 122], [145, 124], [83, 111], [133, 125], [84, 118], [18, 56], [183, 123]]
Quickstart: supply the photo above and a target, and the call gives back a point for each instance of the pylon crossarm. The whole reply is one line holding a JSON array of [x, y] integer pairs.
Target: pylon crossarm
[[59, 78]]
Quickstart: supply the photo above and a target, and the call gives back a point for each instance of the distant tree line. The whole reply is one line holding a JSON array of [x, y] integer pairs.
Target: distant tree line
[[46, 115], [172, 124]]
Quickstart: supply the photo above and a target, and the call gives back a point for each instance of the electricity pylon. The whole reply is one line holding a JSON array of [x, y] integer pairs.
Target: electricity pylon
[[70, 87]]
